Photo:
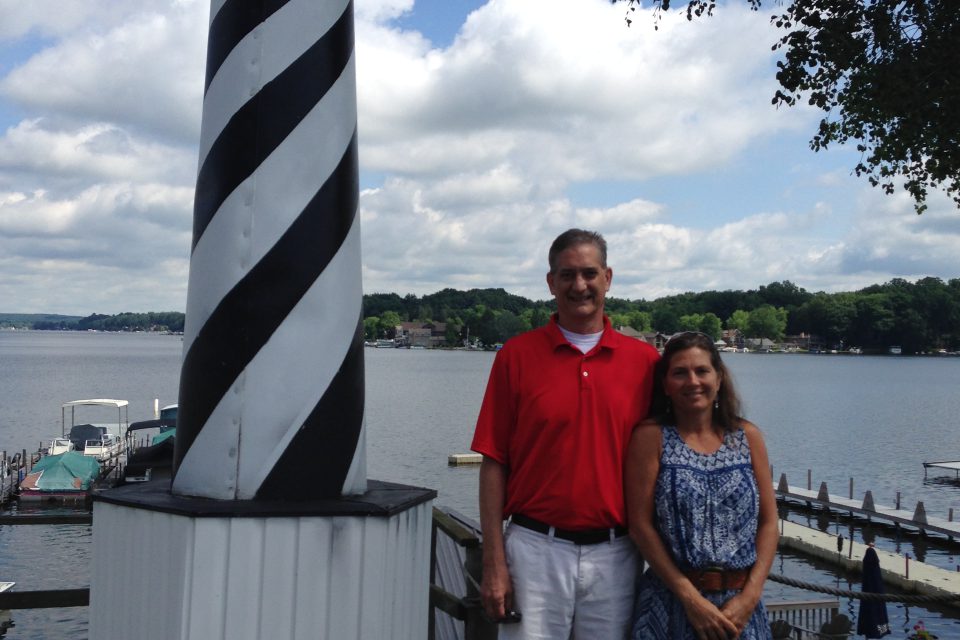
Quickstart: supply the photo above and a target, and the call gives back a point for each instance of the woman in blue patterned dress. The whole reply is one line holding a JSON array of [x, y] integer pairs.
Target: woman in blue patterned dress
[[700, 504]]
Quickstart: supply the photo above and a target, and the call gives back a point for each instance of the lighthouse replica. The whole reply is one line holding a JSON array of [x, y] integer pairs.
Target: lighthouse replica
[[270, 527]]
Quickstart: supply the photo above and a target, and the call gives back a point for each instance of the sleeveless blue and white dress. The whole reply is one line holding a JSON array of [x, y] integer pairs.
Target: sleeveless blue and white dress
[[706, 511]]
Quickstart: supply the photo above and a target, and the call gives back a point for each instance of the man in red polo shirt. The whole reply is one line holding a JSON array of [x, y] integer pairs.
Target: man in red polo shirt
[[558, 411]]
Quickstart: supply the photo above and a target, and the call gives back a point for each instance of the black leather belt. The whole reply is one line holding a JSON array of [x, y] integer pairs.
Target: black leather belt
[[585, 536]]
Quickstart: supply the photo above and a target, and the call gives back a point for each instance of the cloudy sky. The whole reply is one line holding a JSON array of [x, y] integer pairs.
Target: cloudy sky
[[485, 130]]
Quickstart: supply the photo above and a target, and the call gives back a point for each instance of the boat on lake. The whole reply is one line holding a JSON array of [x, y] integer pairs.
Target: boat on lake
[[65, 477], [58, 446], [99, 441], [5, 621], [150, 447]]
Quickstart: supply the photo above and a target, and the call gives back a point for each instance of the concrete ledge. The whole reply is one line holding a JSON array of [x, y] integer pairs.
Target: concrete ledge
[[381, 499], [924, 578]]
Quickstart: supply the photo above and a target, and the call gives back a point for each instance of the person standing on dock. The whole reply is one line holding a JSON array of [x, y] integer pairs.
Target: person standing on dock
[[553, 429], [701, 504]]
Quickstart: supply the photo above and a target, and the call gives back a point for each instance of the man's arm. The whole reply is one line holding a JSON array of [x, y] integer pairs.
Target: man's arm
[[496, 590]]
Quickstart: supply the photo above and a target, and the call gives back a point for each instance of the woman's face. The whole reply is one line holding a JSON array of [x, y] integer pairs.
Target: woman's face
[[691, 382]]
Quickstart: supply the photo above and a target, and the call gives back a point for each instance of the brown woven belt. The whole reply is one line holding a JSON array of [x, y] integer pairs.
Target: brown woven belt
[[718, 579]]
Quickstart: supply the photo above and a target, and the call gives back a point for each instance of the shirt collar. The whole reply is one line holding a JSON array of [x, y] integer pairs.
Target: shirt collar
[[607, 340]]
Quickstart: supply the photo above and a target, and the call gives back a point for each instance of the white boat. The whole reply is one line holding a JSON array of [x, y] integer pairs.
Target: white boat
[[102, 441], [5, 622], [59, 445]]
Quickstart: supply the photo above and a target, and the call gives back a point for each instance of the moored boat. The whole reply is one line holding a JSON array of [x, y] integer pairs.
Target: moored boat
[[99, 441], [59, 445], [65, 477], [150, 447]]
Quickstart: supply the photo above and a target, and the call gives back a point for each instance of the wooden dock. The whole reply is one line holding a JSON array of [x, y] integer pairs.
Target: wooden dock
[[951, 465], [12, 469], [868, 509], [906, 575]]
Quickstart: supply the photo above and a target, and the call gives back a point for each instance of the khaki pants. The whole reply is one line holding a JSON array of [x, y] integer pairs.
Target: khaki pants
[[564, 590]]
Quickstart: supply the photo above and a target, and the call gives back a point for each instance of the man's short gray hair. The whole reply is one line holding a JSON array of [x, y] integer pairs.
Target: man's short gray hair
[[575, 237]]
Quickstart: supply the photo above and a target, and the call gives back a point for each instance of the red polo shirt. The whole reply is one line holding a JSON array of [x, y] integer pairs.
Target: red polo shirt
[[560, 420]]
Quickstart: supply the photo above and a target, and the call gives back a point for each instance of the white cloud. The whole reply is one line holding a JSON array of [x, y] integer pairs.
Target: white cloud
[[146, 72], [95, 151], [537, 117], [566, 91]]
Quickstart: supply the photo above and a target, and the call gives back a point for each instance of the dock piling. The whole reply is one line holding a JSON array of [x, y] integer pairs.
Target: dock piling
[[823, 494], [920, 513]]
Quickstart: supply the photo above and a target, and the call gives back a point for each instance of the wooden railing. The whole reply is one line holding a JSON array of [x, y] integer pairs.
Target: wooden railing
[[809, 619], [455, 568], [11, 468]]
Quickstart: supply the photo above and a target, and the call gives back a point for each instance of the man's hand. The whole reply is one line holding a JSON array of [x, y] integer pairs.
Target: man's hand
[[496, 591]]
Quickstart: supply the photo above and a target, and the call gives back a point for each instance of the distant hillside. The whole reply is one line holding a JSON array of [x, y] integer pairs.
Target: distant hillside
[[152, 321], [27, 320]]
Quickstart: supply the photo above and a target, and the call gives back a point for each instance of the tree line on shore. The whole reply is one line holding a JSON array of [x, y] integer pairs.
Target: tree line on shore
[[920, 317], [159, 321]]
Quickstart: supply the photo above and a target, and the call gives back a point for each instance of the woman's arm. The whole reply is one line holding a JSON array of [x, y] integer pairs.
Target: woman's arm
[[740, 607], [640, 478]]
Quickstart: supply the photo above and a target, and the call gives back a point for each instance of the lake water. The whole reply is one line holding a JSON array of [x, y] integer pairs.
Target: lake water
[[876, 419]]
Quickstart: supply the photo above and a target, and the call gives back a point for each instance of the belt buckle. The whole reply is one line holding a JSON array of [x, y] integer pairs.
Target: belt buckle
[[721, 578]]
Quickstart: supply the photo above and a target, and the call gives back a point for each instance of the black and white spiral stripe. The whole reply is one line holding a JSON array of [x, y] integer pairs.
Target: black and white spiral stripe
[[271, 391]]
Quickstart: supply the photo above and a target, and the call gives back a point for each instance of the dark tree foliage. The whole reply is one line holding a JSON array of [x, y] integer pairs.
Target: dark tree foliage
[[886, 74], [374, 304], [151, 321], [494, 298], [920, 317]]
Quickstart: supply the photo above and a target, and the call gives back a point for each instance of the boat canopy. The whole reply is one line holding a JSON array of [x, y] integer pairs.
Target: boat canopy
[[70, 470], [162, 424], [103, 402], [163, 436]]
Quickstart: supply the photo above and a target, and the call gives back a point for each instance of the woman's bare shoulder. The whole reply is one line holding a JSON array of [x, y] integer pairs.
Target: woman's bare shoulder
[[647, 431], [752, 431]]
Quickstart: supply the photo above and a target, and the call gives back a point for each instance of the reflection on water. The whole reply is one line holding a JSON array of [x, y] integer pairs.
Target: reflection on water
[[46, 557]]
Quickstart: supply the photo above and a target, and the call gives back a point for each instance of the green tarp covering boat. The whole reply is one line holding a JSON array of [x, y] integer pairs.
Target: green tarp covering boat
[[63, 475]]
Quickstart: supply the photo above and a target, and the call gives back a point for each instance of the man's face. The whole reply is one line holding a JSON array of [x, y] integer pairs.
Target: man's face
[[579, 283]]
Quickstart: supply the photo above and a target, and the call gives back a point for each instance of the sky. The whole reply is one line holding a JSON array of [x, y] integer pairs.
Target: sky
[[485, 129]]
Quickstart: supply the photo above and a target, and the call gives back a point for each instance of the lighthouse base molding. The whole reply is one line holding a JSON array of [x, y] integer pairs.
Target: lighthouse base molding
[[167, 567]]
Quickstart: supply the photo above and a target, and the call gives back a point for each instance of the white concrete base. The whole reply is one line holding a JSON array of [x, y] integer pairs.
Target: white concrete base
[[158, 575]]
